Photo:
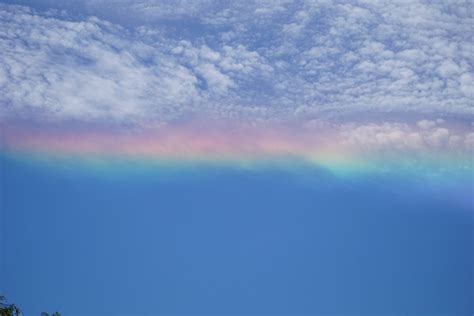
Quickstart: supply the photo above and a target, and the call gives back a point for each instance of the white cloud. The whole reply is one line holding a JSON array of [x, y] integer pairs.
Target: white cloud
[[438, 137], [261, 60], [448, 68], [84, 70], [467, 85], [426, 124], [469, 141], [387, 136], [216, 80]]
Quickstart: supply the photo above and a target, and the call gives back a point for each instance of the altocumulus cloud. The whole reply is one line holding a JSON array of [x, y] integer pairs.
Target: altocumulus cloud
[[258, 60], [424, 135], [84, 70]]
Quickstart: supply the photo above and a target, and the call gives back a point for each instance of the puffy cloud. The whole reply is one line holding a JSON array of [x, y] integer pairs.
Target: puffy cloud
[[426, 124], [385, 135], [448, 68], [260, 60], [467, 85], [84, 70], [215, 79], [426, 134], [224, 68], [469, 141]]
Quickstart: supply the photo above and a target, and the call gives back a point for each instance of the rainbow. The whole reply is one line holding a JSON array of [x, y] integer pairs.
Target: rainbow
[[237, 146]]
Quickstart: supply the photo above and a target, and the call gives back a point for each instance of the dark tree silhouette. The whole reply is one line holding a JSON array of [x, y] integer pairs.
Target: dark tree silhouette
[[7, 309]]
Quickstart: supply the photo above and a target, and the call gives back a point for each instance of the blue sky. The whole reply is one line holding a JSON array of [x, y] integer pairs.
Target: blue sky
[[233, 242], [264, 157]]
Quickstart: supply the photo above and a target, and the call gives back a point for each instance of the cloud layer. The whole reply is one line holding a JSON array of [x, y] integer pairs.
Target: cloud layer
[[262, 61]]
